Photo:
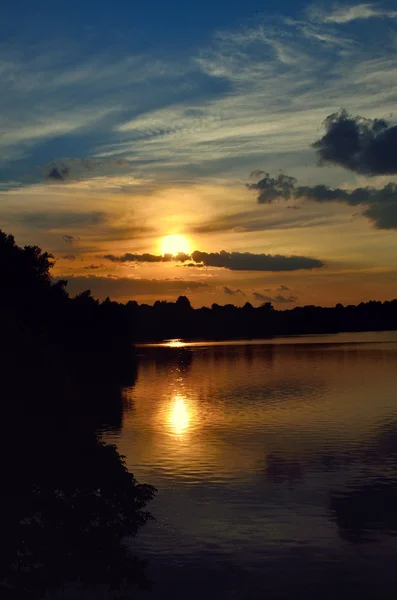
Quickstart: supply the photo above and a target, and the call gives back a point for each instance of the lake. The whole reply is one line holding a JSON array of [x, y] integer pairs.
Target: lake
[[275, 463]]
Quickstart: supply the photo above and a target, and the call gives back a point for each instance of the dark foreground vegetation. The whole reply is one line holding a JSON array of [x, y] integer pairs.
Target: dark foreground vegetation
[[67, 499]]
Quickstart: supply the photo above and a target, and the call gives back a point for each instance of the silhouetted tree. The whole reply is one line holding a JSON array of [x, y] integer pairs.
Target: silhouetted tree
[[67, 498]]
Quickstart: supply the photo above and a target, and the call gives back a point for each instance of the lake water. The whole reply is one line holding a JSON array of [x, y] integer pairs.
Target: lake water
[[275, 463]]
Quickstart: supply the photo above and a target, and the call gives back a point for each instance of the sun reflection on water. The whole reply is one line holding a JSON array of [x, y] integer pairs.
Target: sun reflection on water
[[179, 415], [176, 343]]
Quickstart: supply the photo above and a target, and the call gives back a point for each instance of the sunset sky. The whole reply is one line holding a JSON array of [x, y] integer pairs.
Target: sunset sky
[[227, 151]]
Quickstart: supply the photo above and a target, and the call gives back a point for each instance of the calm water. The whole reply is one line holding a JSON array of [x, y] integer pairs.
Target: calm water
[[275, 463]]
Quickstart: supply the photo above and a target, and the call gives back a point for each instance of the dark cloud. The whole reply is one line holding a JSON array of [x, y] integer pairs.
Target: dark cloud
[[127, 288], [382, 216], [367, 146], [70, 239], [69, 257], [57, 220], [148, 258], [90, 267], [68, 169], [234, 261], [381, 204], [271, 189], [231, 292], [257, 173], [58, 174], [276, 300], [195, 265], [283, 288], [246, 261]]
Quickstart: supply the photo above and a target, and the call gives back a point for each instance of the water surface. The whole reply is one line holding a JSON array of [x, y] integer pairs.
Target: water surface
[[275, 463]]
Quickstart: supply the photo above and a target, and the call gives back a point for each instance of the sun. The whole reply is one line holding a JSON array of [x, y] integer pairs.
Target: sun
[[172, 244]]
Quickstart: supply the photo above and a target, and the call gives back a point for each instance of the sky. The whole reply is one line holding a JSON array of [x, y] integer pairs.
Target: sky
[[229, 151]]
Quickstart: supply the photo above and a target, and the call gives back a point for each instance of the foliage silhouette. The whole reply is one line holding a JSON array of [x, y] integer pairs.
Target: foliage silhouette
[[67, 499], [167, 320]]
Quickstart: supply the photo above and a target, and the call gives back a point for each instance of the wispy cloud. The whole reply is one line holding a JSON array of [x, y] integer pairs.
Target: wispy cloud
[[252, 220], [344, 13], [279, 299], [232, 104], [230, 292], [70, 239]]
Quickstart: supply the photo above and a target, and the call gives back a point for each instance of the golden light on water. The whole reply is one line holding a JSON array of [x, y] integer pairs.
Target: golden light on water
[[172, 244], [179, 415], [177, 343]]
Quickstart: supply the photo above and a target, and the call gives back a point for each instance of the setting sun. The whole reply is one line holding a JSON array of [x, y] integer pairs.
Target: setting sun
[[172, 244]]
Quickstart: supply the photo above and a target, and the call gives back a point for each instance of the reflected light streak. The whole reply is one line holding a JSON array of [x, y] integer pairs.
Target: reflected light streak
[[179, 417], [174, 343]]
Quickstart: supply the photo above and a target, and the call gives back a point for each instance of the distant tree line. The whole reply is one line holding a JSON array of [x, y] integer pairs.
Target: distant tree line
[[167, 320]]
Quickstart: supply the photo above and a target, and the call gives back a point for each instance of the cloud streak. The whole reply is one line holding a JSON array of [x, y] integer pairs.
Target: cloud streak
[[69, 169], [148, 258], [59, 219], [343, 14], [380, 204], [247, 261], [233, 261], [70, 239], [214, 109], [274, 300], [229, 292]]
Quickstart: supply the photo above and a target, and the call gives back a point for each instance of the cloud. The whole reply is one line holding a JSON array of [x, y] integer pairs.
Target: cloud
[[256, 220], [127, 288], [246, 261], [148, 258], [380, 204], [67, 169], [198, 114], [59, 174], [234, 261], [90, 267], [382, 216], [231, 292], [276, 300], [367, 146], [70, 239], [283, 288], [195, 265], [341, 14], [69, 257], [271, 189], [59, 220]]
